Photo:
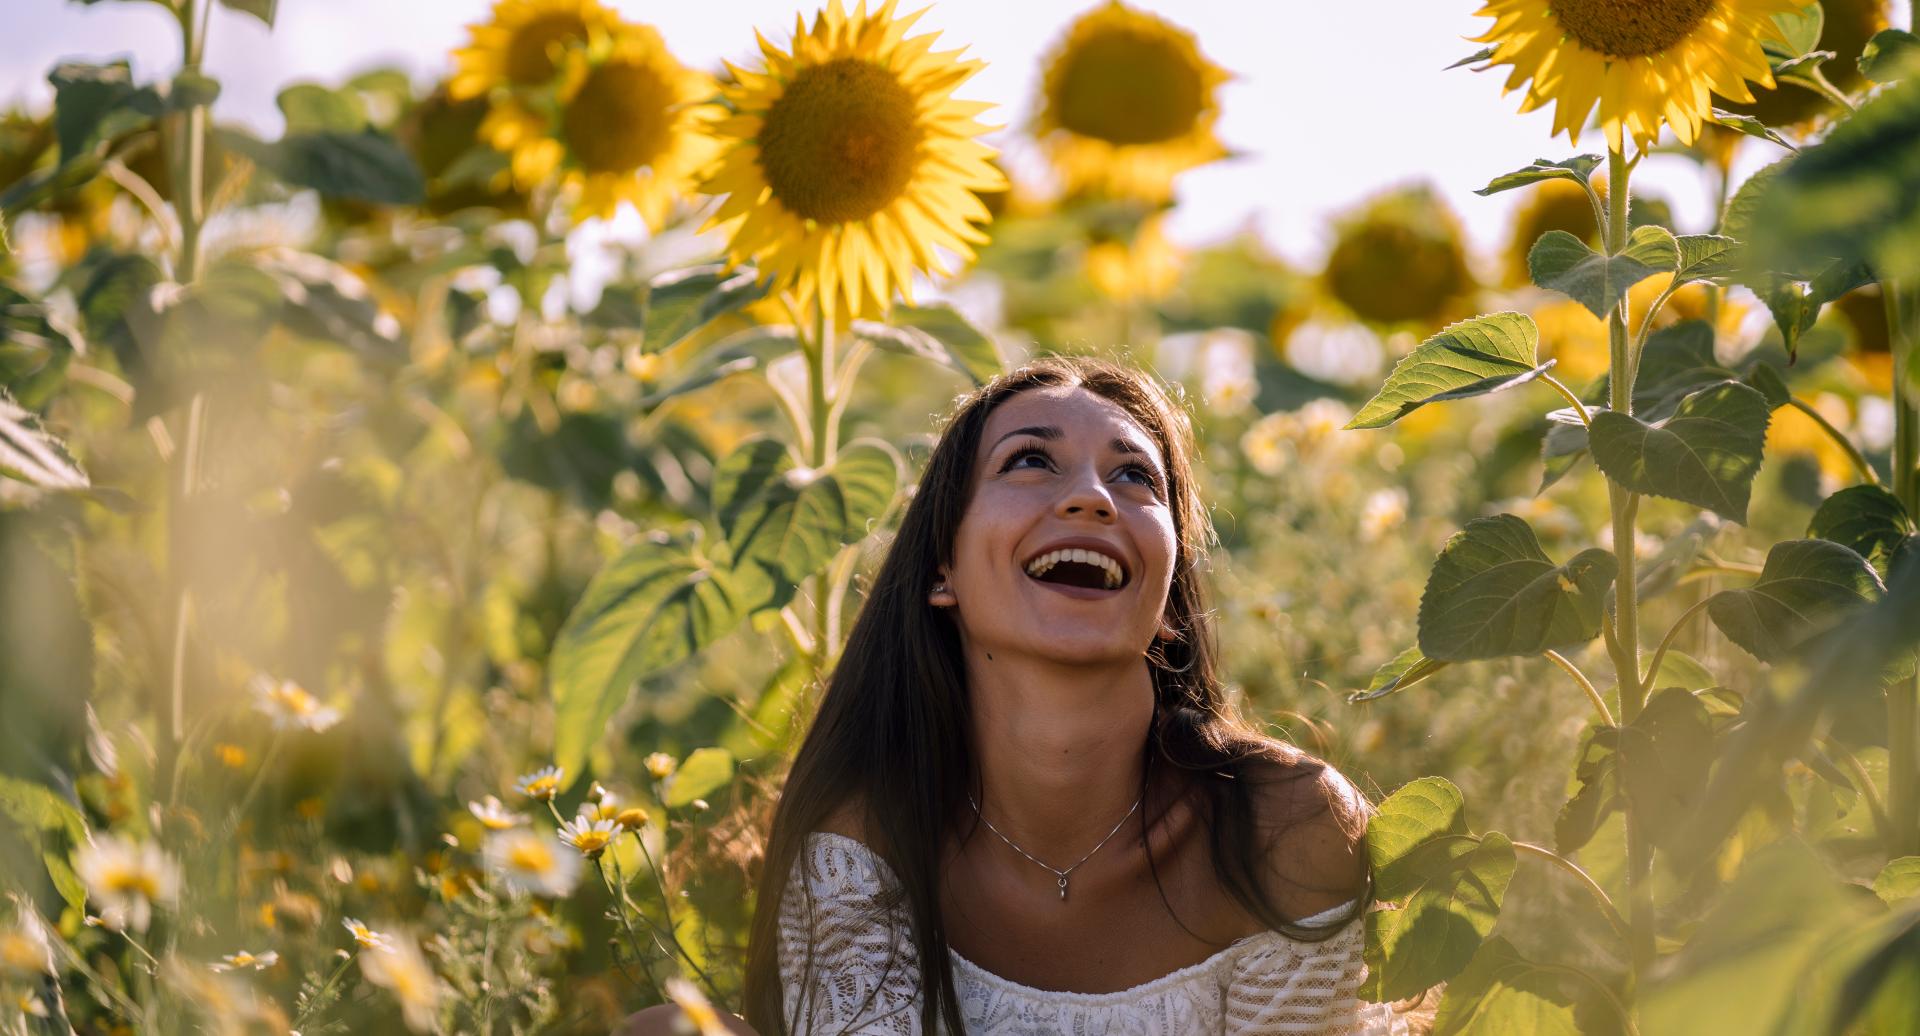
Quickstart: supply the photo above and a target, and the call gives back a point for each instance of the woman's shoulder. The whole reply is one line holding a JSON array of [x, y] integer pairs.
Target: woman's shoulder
[[1311, 822]]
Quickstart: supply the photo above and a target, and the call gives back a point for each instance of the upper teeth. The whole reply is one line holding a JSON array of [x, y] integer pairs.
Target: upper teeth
[[1039, 566]]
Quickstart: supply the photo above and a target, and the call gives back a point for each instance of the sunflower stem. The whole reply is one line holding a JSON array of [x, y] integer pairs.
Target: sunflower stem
[[1625, 506], [1871, 476], [1902, 302]]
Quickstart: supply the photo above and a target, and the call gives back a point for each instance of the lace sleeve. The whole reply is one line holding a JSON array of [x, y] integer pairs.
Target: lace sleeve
[[1307, 988], [839, 909]]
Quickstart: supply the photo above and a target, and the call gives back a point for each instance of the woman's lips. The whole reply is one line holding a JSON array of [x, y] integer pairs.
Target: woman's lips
[[1084, 593]]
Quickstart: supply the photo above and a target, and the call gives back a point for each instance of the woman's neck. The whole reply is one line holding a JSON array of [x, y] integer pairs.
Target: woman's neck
[[1060, 750]]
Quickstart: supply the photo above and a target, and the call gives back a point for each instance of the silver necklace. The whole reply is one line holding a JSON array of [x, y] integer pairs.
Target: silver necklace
[[1059, 875]]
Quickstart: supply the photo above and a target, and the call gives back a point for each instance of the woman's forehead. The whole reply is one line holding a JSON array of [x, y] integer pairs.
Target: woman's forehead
[[1073, 412]]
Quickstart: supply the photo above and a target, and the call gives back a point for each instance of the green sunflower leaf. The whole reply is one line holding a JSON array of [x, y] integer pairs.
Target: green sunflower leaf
[[704, 772], [31, 454], [1578, 169], [1470, 358], [1750, 126], [937, 333], [1493, 593], [1501, 993], [1562, 262], [1898, 880], [365, 166], [1865, 519], [652, 607], [1453, 903], [680, 302], [1407, 668], [1891, 55], [1703, 257], [785, 523], [1706, 454], [35, 349], [1805, 588]]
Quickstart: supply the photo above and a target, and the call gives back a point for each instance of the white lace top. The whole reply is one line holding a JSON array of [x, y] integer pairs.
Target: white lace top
[[1265, 983]]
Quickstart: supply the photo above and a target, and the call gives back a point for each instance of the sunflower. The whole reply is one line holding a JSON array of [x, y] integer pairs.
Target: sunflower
[[847, 161], [1127, 102], [523, 46], [1401, 258], [1147, 267], [1643, 63]]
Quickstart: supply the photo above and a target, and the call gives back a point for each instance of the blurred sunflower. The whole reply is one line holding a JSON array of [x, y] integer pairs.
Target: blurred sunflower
[[1551, 205], [1145, 268], [848, 162], [1571, 335], [1643, 64], [1401, 258], [629, 128], [523, 45], [1791, 431], [1848, 26], [1872, 353], [1127, 102]]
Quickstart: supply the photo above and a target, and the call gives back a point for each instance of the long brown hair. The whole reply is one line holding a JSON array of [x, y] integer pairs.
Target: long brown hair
[[891, 733]]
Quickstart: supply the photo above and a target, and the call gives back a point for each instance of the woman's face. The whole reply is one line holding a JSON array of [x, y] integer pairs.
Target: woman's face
[[1057, 464]]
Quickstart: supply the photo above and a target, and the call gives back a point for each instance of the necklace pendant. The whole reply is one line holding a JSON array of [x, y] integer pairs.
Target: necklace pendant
[[1063, 888]]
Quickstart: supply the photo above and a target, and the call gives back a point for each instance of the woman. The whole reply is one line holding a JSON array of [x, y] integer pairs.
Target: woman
[[1024, 805]]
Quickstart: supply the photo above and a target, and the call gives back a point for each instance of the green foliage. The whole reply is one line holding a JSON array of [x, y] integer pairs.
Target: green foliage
[[1451, 882], [1407, 668], [785, 522], [1706, 453], [30, 454], [705, 771], [1562, 262], [1470, 358], [366, 165], [34, 353], [1891, 55], [938, 334], [1493, 592], [1899, 880], [683, 301], [1867, 520], [1579, 169], [1805, 588], [1502, 992]]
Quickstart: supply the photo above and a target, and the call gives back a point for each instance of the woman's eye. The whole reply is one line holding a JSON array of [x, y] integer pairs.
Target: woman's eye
[[1148, 478]]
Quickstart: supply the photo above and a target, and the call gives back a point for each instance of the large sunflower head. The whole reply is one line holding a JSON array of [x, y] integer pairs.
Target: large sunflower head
[[1127, 102], [1401, 258], [1848, 26], [847, 162], [1644, 63], [524, 45]]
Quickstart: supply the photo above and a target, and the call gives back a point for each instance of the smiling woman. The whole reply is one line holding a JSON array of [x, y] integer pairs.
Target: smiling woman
[[1036, 659]]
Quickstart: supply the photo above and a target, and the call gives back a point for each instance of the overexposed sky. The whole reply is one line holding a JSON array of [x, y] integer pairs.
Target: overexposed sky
[[1330, 102]]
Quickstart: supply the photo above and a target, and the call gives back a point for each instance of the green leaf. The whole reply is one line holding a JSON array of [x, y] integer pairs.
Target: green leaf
[[1470, 358], [1803, 67], [191, 89], [34, 353], [1802, 28], [1562, 262], [261, 9], [1664, 570], [39, 809], [1479, 55], [1663, 759], [1706, 454], [750, 350], [770, 727], [312, 108], [1750, 126], [1493, 593], [367, 166], [1703, 257], [1578, 169], [95, 103], [1679, 669], [1596, 774], [1416, 813], [936, 333], [1805, 588], [1409, 667], [30, 454], [1891, 55], [784, 522], [681, 302], [651, 608], [1767, 380], [704, 772], [116, 310], [1452, 905], [327, 302], [1865, 519], [1501, 993], [1898, 880]]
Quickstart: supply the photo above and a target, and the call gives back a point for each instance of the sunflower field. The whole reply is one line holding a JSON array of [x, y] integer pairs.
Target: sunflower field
[[399, 634]]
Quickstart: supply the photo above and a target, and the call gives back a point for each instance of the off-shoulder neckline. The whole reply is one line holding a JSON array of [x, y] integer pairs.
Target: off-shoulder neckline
[[1131, 993]]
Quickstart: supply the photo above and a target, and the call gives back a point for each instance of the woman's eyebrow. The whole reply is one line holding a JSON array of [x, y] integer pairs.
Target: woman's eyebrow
[[1051, 433]]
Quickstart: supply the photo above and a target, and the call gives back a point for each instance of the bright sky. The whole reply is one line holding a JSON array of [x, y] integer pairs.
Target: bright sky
[[1331, 102]]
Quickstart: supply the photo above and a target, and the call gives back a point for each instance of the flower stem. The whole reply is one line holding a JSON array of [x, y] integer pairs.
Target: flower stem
[[1853, 452], [1586, 880], [1599, 703], [1902, 302], [1578, 407], [1660, 653], [666, 909]]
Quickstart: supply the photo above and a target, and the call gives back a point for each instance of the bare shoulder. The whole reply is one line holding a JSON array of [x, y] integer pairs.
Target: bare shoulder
[[1313, 822]]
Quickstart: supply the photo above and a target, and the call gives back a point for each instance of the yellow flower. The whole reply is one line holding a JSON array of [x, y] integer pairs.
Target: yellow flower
[[1792, 431], [1574, 339], [244, 959], [24, 952], [1384, 511], [290, 705], [633, 818], [522, 45], [494, 815], [1145, 268], [404, 971], [542, 784], [1127, 103], [530, 863], [233, 757], [848, 163], [660, 765], [1550, 205], [588, 834], [1644, 64], [127, 879], [1847, 27], [367, 937], [1401, 258], [630, 129], [695, 1007]]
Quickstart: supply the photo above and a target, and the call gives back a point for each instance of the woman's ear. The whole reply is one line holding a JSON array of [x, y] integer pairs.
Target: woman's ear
[[941, 594]]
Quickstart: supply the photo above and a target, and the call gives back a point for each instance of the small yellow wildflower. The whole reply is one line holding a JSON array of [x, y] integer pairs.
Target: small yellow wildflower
[[660, 766], [367, 937], [127, 879], [24, 953], [494, 815], [530, 863], [233, 757], [633, 818], [589, 834], [405, 972], [290, 705], [244, 959]]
